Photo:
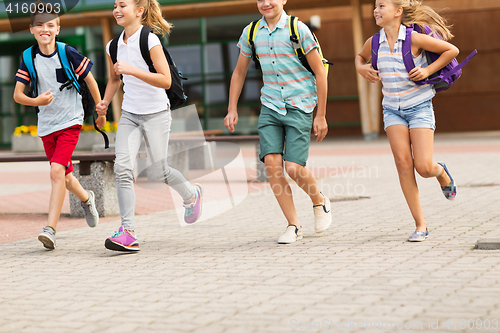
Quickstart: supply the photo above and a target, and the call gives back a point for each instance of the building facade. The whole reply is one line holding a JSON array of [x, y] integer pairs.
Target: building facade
[[203, 45]]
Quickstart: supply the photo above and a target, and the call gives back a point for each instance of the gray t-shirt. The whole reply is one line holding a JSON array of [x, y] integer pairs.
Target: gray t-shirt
[[66, 108]]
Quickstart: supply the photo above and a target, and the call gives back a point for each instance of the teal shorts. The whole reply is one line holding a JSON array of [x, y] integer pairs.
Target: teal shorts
[[288, 135]]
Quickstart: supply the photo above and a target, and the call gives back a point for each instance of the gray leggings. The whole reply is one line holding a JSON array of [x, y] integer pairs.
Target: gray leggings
[[155, 129]]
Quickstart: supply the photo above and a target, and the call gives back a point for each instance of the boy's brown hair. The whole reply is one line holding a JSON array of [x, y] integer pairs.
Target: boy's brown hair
[[44, 8]]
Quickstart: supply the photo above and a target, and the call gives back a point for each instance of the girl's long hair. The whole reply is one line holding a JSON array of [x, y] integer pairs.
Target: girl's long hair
[[414, 12], [152, 16]]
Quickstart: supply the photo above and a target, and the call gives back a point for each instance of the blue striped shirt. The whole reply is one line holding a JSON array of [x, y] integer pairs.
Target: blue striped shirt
[[286, 81], [398, 90]]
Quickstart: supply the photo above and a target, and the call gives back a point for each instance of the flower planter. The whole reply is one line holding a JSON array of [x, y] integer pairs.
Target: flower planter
[[32, 144], [88, 139], [26, 144]]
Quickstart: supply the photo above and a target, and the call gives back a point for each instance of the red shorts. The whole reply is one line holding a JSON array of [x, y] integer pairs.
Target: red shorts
[[59, 146]]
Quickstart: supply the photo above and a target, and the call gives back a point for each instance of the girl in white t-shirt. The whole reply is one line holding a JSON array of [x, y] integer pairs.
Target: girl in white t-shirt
[[145, 114]]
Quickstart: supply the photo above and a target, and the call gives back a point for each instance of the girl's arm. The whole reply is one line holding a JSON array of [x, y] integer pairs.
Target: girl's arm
[[160, 79], [421, 42], [320, 125], [237, 81], [363, 65], [111, 89], [21, 98]]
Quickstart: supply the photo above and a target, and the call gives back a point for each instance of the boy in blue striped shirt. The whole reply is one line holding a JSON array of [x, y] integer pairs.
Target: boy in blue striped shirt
[[289, 96]]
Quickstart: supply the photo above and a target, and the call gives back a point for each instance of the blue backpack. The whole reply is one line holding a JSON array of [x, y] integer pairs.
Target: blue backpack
[[442, 79], [79, 84]]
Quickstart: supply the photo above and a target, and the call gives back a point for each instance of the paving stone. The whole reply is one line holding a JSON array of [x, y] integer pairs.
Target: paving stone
[[228, 274], [488, 244]]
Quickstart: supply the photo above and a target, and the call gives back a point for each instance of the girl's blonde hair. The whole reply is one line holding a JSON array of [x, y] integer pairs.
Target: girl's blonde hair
[[414, 12], [152, 16]]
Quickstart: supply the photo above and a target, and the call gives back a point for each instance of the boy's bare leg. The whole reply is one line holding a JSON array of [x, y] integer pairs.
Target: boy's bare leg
[[88, 203], [73, 185], [306, 181], [57, 193], [280, 187]]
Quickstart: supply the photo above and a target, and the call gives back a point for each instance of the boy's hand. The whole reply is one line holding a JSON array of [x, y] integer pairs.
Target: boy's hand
[[231, 120], [45, 98], [369, 73], [121, 67], [320, 127], [100, 121], [102, 108]]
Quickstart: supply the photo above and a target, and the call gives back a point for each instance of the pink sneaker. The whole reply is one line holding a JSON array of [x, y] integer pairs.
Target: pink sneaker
[[193, 210], [122, 241]]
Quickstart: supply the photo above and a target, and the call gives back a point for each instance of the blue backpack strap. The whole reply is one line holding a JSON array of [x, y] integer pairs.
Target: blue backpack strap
[[28, 56], [68, 69], [375, 47]]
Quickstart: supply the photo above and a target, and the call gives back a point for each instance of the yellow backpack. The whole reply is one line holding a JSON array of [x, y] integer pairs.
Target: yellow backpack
[[294, 39]]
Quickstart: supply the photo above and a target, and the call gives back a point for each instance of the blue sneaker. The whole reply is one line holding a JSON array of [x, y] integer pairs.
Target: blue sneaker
[[450, 190], [419, 236]]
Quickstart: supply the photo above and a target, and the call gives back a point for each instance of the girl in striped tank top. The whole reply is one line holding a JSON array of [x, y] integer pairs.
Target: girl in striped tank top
[[408, 112]]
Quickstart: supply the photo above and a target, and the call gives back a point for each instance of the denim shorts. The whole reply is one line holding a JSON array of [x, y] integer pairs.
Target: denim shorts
[[419, 116]]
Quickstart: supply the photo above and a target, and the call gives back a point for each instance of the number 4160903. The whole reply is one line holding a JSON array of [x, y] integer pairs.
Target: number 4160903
[[471, 324], [27, 8]]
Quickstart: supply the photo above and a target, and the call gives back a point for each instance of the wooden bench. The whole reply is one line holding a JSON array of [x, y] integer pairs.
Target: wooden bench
[[85, 159], [101, 183], [100, 166]]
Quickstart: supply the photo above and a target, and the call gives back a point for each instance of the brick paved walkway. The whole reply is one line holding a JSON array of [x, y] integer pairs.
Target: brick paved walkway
[[228, 274]]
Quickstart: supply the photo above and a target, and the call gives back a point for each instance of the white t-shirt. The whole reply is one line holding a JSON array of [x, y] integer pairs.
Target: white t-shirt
[[139, 97]]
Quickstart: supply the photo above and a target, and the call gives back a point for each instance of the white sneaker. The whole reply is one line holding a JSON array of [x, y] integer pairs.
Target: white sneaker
[[292, 234], [322, 215], [48, 238], [90, 211]]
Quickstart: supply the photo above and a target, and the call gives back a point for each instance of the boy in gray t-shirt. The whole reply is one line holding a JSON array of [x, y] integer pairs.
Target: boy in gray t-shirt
[[61, 115]]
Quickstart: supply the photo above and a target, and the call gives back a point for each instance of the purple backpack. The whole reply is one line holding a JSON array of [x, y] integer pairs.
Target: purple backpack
[[443, 78]]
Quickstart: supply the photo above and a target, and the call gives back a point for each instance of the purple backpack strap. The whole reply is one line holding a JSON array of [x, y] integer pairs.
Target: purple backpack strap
[[375, 47], [409, 63], [407, 55], [455, 69]]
